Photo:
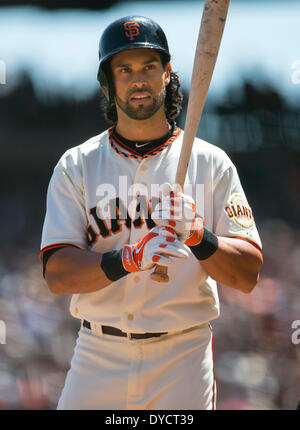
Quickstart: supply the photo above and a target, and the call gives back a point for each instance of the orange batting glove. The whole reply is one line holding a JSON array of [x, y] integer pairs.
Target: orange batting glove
[[157, 247]]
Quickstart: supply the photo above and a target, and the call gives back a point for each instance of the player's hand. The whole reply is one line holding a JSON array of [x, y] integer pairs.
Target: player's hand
[[157, 247], [178, 211]]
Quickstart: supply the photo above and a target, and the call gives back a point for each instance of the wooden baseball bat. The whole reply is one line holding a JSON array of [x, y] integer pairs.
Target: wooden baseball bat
[[208, 44]]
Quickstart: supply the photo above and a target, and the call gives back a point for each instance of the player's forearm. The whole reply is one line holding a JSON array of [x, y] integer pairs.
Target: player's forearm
[[75, 271], [235, 264]]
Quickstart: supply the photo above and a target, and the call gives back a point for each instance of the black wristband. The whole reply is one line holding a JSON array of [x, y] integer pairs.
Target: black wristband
[[112, 265], [207, 247]]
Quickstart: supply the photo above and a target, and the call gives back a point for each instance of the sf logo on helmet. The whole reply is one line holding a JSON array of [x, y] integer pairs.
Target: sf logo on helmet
[[132, 29]]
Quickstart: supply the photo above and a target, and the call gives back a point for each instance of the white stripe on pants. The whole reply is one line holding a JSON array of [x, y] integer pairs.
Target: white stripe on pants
[[114, 373]]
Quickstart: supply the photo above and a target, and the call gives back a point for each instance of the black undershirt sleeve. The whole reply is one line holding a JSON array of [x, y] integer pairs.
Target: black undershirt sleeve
[[46, 255], [111, 263]]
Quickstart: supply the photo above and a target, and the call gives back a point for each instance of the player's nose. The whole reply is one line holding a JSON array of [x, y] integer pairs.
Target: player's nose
[[138, 79], [139, 82]]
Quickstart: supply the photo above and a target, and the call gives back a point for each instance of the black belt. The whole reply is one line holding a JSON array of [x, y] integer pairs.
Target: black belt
[[116, 332]]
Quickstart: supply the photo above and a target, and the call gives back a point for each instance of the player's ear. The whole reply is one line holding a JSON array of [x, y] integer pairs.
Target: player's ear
[[168, 70]]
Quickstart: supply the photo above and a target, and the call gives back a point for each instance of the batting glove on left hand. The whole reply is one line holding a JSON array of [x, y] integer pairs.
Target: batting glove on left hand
[[155, 248]]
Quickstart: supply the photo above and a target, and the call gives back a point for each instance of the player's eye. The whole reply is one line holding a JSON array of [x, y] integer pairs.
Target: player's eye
[[124, 70], [150, 67]]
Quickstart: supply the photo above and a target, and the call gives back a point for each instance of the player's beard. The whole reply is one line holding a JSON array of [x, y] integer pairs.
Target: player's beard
[[142, 112]]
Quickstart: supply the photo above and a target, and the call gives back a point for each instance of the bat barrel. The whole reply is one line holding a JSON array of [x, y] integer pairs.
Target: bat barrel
[[208, 44]]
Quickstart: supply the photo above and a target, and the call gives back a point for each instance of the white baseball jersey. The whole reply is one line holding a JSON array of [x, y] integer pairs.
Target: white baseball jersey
[[93, 179]]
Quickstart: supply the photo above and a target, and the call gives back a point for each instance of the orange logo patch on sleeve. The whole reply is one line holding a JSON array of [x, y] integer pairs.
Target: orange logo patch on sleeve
[[239, 211], [132, 29]]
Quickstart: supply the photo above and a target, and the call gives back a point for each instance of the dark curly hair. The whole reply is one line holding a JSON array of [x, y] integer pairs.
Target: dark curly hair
[[173, 100]]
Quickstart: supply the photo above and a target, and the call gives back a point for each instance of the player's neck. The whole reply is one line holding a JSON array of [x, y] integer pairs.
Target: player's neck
[[149, 129]]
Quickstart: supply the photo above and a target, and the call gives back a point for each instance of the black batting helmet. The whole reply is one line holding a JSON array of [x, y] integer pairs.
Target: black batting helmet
[[130, 32]]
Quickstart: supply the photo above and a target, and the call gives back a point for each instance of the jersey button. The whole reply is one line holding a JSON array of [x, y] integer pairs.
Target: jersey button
[[130, 317]]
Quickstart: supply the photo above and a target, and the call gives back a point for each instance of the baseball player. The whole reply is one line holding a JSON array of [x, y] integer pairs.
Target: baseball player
[[114, 212]]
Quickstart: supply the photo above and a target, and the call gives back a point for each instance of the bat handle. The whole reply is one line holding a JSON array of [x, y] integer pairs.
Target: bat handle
[[160, 274]]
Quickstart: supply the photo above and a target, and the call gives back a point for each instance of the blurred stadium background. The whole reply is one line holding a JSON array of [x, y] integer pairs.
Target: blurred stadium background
[[49, 101]]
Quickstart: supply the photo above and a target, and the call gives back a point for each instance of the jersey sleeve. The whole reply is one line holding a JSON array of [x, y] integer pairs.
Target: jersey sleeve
[[65, 222], [233, 216]]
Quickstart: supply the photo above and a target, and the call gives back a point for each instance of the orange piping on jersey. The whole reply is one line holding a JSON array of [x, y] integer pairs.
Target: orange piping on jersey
[[171, 139], [256, 245], [57, 245], [115, 142], [120, 143], [114, 146], [123, 154]]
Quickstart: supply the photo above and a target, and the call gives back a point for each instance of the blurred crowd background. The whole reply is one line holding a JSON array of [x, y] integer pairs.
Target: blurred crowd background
[[257, 361]]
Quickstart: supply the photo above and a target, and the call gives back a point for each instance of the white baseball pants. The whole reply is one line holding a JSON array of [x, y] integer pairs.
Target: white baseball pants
[[174, 371]]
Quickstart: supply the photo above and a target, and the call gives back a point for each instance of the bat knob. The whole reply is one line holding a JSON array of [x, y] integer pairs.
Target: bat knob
[[160, 274]]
